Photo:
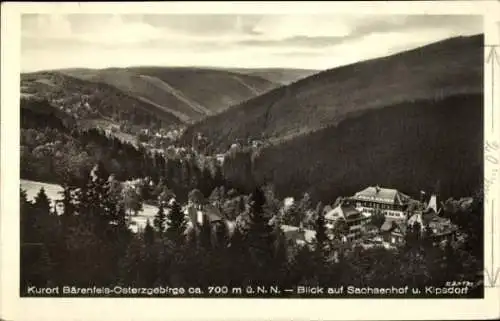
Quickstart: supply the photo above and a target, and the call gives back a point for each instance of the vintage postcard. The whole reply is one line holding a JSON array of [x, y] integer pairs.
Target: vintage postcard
[[250, 160]]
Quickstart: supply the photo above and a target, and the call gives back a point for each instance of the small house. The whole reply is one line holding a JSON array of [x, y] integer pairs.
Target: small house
[[350, 215], [394, 232], [298, 235], [442, 228]]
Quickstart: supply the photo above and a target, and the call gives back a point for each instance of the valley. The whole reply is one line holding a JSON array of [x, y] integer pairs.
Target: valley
[[367, 174]]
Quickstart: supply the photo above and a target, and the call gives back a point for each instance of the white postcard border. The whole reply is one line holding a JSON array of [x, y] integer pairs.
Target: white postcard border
[[14, 308]]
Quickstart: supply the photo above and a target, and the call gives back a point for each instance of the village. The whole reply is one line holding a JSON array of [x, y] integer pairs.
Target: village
[[373, 217]]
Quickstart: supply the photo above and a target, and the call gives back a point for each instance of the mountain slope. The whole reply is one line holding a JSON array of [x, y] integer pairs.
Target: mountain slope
[[91, 100], [282, 76], [412, 146], [189, 93], [442, 69]]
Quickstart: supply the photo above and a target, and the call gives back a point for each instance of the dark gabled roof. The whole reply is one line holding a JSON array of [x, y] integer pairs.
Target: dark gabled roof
[[347, 212], [294, 233], [401, 226], [387, 226], [390, 225], [429, 216], [350, 212]]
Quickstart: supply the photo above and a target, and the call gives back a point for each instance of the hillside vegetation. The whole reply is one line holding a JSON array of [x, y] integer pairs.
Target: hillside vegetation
[[439, 70], [93, 100], [411, 146], [188, 93], [412, 121], [282, 76]]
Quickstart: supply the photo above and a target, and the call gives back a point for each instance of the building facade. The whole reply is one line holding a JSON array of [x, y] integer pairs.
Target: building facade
[[392, 203], [353, 219], [394, 232]]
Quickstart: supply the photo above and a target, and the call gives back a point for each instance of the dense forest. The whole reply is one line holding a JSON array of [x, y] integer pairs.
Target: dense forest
[[442, 69], [93, 100], [57, 151], [430, 145]]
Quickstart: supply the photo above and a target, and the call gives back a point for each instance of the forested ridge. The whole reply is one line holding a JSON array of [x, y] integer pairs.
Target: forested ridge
[[54, 150], [430, 145]]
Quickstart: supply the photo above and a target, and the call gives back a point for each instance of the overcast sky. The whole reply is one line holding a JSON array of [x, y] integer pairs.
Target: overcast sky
[[249, 41]]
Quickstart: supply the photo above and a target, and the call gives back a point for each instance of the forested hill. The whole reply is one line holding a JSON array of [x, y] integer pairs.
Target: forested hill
[[188, 93], [283, 76], [55, 149], [412, 121], [430, 145], [93, 100], [435, 71]]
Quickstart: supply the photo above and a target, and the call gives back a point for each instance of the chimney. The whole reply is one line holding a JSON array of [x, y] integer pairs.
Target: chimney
[[301, 227], [377, 188]]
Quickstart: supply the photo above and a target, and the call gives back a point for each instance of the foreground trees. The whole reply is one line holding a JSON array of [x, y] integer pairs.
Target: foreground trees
[[90, 244]]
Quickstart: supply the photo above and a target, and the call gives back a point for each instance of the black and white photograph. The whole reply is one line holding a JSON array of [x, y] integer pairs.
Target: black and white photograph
[[253, 156]]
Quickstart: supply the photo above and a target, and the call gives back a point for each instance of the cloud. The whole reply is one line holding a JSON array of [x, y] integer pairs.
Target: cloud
[[323, 41]]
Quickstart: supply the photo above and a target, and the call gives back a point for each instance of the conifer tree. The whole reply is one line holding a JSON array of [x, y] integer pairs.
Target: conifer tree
[[131, 263], [23, 198], [176, 223], [260, 233], [221, 236], [218, 176], [452, 264], [67, 201], [149, 234], [206, 234], [42, 203], [206, 182], [428, 233], [41, 215], [160, 219], [237, 253], [321, 236], [410, 237], [121, 217], [27, 218], [280, 259], [92, 196]]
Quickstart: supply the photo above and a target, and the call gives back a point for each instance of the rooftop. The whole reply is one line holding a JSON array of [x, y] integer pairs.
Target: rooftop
[[294, 233], [212, 213], [382, 195], [347, 212], [390, 225]]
